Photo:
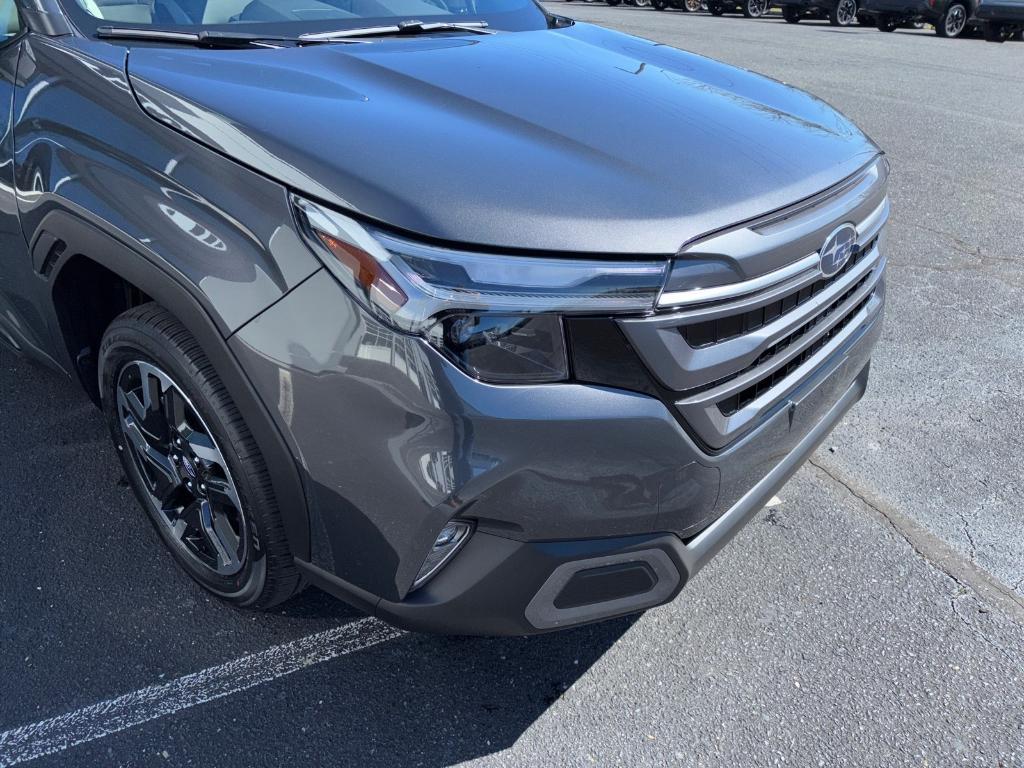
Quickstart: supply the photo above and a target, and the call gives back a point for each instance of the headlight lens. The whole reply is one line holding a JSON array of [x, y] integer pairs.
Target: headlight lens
[[505, 349], [496, 315]]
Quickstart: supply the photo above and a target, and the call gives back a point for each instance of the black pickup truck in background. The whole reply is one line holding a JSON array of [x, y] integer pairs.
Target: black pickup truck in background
[[1001, 20], [951, 18]]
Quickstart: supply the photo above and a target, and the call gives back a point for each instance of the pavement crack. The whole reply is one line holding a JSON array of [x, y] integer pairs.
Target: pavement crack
[[965, 573], [976, 631], [967, 533]]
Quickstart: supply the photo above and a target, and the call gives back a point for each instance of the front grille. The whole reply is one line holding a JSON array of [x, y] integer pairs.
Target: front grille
[[725, 357], [742, 399], [709, 332]]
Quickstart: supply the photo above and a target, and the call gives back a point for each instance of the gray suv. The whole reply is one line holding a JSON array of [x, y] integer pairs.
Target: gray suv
[[387, 296]]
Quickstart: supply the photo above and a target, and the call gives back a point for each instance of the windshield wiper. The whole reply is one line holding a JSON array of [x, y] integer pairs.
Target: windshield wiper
[[205, 38], [402, 28]]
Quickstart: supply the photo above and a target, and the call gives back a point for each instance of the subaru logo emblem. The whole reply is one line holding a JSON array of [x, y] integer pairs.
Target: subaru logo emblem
[[190, 470], [837, 249]]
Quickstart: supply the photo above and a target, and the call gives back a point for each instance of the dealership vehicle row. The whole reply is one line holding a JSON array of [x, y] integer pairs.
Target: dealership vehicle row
[[998, 20]]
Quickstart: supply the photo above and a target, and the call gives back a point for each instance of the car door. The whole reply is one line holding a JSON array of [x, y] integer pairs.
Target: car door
[[15, 265]]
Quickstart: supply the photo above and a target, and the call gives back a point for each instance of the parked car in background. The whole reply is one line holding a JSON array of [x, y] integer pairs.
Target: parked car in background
[[951, 18], [752, 9], [690, 6], [1001, 20], [840, 13]]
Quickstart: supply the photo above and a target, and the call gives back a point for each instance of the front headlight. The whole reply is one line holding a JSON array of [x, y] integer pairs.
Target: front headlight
[[497, 316]]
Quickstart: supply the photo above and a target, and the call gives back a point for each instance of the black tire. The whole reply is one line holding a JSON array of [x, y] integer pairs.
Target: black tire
[[843, 13], [147, 339], [953, 20], [716, 9], [791, 14], [886, 24]]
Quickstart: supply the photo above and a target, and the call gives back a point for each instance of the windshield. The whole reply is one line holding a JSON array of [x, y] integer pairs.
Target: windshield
[[295, 17]]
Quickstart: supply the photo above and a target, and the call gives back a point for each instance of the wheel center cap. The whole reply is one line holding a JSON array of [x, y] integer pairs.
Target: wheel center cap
[[189, 468]]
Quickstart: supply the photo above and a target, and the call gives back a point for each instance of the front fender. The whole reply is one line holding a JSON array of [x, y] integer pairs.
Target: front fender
[[82, 143]]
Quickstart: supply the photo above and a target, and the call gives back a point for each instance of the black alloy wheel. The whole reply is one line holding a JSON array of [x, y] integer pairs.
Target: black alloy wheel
[[191, 460], [185, 474]]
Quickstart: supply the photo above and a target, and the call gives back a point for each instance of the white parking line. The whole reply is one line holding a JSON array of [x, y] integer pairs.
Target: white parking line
[[108, 717]]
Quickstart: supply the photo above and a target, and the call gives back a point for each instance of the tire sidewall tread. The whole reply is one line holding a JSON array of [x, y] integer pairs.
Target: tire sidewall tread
[[151, 333]]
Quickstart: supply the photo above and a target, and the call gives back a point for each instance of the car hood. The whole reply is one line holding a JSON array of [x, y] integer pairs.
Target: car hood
[[579, 139]]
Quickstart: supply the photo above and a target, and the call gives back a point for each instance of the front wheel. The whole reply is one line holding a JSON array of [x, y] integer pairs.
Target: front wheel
[[755, 9], [843, 14], [886, 24], [790, 14], [953, 21], [691, 6], [191, 460]]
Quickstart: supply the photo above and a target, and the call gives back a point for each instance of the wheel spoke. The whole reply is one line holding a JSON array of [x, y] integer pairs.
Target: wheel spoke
[[204, 448], [129, 401], [175, 409], [151, 458], [178, 527], [221, 536], [224, 490]]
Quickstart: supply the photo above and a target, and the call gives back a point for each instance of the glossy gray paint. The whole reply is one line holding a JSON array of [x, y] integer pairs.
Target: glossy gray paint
[[82, 144], [395, 441], [578, 139], [185, 168]]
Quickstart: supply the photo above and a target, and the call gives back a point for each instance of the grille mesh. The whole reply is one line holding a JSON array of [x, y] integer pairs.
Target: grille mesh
[[709, 332]]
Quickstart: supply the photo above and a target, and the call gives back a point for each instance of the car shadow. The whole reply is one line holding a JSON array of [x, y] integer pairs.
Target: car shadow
[[94, 608]]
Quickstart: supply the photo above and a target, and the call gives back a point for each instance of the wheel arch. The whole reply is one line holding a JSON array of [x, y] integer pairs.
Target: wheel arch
[[94, 276]]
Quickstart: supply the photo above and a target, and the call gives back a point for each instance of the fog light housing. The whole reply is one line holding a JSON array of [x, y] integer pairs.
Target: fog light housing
[[448, 542]]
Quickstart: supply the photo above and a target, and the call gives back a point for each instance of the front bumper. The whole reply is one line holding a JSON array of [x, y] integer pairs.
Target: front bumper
[[499, 586], [393, 441]]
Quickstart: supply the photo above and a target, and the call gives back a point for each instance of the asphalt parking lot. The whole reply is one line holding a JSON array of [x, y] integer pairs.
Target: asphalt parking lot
[[874, 617]]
